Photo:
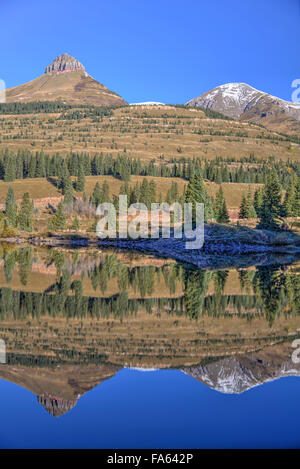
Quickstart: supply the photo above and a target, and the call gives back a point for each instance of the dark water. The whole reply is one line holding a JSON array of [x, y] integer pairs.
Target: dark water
[[122, 350]]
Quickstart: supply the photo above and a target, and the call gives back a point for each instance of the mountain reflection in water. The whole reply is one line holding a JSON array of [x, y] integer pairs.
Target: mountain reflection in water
[[72, 319]]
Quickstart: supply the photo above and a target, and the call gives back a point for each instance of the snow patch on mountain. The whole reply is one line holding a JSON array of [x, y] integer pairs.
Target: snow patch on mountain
[[233, 99]]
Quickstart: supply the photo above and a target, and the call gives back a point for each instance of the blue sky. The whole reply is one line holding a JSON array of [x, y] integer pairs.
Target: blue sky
[[164, 50]]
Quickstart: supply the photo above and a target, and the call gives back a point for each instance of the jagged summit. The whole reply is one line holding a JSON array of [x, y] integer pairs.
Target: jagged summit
[[56, 406], [64, 63], [58, 84]]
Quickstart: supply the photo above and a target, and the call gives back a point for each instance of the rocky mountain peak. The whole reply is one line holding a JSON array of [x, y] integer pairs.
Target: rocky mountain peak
[[64, 63], [56, 406], [237, 100]]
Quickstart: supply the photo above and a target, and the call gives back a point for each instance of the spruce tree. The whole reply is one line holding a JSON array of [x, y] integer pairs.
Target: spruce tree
[[258, 200], [80, 183], [221, 211], [196, 193], [11, 207], [289, 208], [67, 188], [25, 214], [105, 192], [96, 195], [243, 208], [10, 168], [40, 171], [271, 204], [59, 220], [223, 216], [250, 210]]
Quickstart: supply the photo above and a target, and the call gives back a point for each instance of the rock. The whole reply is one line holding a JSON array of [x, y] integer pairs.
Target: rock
[[64, 63], [55, 405]]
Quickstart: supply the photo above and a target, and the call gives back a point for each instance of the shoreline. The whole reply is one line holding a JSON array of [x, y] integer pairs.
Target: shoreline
[[223, 246]]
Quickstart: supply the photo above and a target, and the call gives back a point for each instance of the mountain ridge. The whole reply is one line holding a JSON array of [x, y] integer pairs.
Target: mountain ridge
[[65, 80], [242, 101]]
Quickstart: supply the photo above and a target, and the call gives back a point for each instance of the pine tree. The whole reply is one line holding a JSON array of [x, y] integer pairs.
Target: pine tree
[[25, 213], [289, 208], [59, 220], [152, 191], [10, 168], [145, 193], [80, 183], [251, 213], [124, 171], [258, 200], [223, 216], [271, 204], [11, 207], [247, 209], [96, 195], [40, 171], [243, 208], [105, 192], [221, 211], [196, 193], [67, 188]]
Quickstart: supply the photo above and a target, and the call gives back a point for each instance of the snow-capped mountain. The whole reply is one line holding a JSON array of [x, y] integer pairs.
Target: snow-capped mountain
[[241, 100], [234, 375]]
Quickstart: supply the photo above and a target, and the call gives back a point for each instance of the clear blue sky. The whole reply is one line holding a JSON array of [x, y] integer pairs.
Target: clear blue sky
[[165, 50]]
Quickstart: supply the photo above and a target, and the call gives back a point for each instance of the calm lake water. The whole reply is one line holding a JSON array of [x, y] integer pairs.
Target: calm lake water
[[122, 350]]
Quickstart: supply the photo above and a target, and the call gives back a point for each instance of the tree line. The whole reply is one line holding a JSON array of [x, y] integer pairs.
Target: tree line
[[25, 164]]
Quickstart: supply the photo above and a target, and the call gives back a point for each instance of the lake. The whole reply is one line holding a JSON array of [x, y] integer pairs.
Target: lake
[[118, 349]]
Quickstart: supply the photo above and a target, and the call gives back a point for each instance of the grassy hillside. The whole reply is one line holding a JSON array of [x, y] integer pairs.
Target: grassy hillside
[[40, 188], [75, 87], [159, 133]]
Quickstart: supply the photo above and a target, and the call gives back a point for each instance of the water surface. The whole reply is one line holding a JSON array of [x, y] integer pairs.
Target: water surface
[[122, 350]]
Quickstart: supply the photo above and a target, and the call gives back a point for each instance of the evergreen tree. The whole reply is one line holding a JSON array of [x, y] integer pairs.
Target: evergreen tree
[[80, 183], [105, 192], [289, 208], [243, 208], [124, 171], [96, 195], [67, 188], [59, 220], [247, 209], [271, 204], [223, 216], [10, 168], [11, 207], [221, 212], [40, 171], [258, 201], [196, 193], [25, 214]]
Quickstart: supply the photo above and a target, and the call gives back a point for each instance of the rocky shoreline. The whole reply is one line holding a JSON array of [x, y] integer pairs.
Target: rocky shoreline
[[241, 248]]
